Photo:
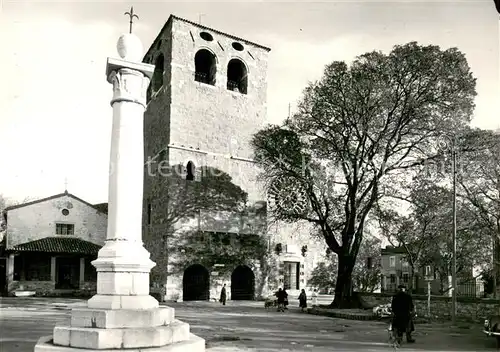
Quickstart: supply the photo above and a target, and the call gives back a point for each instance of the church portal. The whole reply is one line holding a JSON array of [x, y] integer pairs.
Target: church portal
[[242, 283], [196, 283]]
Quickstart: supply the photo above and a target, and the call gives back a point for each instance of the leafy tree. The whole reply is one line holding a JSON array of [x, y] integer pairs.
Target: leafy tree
[[479, 184], [324, 276], [425, 232], [357, 130], [366, 272], [3, 205], [421, 227]]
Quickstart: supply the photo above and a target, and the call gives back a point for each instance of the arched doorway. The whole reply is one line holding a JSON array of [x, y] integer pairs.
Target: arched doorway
[[196, 283], [242, 284]]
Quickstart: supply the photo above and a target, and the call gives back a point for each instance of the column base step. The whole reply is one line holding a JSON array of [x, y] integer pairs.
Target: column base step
[[193, 344]]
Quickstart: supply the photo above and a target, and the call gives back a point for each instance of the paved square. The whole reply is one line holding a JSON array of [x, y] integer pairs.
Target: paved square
[[245, 326]]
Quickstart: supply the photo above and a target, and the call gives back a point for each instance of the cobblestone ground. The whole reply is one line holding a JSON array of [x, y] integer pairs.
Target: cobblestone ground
[[246, 326]]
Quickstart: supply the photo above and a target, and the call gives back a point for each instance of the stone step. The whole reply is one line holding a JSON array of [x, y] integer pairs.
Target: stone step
[[193, 344], [99, 339], [121, 318]]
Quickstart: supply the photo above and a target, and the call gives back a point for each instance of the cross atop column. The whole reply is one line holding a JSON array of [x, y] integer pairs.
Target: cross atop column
[[131, 14]]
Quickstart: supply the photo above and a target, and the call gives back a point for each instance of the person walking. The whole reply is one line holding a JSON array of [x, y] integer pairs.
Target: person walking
[[223, 295], [285, 304], [403, 309], [303, 300], [314, 301], [281, 296]]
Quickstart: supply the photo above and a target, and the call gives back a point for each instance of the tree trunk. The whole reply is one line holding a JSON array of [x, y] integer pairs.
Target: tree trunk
[[343, 288], [411, 287]]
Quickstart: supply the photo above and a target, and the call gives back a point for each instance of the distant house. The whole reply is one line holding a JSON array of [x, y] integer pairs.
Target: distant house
[[396, 270], [50, 243]]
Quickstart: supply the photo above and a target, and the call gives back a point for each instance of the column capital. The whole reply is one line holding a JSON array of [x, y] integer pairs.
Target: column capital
[[130, 80], [114, 64]]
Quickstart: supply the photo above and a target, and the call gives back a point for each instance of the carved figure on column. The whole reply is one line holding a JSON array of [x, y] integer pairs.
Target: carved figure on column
[[114, 79]]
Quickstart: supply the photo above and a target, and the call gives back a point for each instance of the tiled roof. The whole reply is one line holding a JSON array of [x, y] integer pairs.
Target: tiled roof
[[59, 245]]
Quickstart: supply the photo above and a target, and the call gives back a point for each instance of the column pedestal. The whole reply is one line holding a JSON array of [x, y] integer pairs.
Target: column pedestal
[[122, 316]]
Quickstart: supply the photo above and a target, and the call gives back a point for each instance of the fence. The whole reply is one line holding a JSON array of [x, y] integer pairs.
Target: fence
[[466, 289], [470, 289]]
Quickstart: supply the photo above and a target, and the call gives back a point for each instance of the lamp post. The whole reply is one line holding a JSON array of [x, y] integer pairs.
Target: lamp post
[[450, 144], [454, 236]]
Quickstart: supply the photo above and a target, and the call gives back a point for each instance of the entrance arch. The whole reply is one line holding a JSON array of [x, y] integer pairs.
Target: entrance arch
[[242, 284], [196, 283]]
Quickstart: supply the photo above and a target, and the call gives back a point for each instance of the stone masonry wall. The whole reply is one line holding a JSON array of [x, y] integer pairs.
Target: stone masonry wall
[[243, 173], [42, 288], [469, 309], [190, 114], [295, 236], [47, 288], [211, 117], [210, 126]]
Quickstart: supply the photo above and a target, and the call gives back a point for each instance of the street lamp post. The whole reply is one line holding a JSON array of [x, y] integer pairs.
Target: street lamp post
[[454, 236], [450, 145]]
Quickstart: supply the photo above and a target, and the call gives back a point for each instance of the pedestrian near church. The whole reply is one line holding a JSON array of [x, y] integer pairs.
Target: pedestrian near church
[[303, 300], [314, 300], [403, 309], [281, 296], [223, 295], [286, 299]]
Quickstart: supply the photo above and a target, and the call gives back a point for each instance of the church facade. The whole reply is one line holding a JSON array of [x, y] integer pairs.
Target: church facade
[[205, 101], [50, 244]]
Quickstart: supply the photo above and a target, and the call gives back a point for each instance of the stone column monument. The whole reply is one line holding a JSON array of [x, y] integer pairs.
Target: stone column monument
[[122, 315]]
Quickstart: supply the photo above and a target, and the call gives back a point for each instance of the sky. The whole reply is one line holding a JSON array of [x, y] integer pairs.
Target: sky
[[55, 116]]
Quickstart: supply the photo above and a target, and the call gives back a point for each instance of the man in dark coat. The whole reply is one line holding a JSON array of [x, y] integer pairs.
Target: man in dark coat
[[402, 308], [281, 296], [223, 295]]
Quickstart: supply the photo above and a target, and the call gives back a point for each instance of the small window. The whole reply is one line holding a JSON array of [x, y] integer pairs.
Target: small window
[[237, 46], [157, 79], [392, 262], [65, 229], [65, 212], [406, 278], [428, 270], [150, 208], [393, 279], [190, 171], [206, 36]]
